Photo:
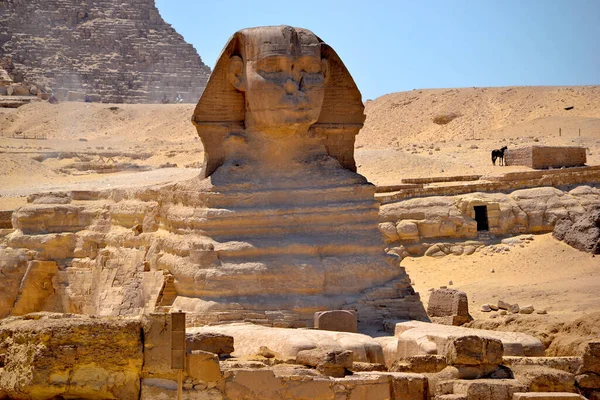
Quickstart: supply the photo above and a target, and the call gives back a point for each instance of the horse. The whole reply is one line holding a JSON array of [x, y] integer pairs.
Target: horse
[[498, 154]]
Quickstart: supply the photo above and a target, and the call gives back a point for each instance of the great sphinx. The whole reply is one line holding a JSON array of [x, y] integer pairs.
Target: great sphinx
[[278, 225]]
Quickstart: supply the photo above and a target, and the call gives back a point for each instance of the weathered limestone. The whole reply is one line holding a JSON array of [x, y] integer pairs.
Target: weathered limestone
[[547, 396], [249, 338], [413, 338], [115, 51], [328, 362], [448, 307], [210, 341], [583, 233], [336, 320], [46, 355], [473, 350], [429, 220], [281, 228], [540, 157]]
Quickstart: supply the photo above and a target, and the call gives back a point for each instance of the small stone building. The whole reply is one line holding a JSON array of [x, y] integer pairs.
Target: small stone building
[[542, 157]]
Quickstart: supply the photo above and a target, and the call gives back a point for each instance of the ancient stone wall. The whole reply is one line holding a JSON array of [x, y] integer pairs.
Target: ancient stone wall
[[504, 183], [119, 51], [411, 223], [540, 157]]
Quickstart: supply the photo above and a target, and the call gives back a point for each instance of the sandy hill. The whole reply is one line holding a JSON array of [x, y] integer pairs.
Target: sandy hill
[[399, 140], [397, 119]]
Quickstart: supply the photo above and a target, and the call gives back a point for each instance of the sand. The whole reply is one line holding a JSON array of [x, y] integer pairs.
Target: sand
[[400, 140]]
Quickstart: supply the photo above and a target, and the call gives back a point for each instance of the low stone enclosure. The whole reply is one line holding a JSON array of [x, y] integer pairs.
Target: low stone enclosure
[[48, 356]]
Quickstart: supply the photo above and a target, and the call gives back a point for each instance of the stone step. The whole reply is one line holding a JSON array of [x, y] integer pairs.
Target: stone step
[[547, 396]]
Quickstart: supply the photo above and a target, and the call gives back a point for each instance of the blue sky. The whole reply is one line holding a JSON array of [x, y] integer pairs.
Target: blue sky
[[392, 46]]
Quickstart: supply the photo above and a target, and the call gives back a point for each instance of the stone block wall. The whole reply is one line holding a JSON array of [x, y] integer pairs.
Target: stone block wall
[[504, 183], [541, 157], [123, 52]]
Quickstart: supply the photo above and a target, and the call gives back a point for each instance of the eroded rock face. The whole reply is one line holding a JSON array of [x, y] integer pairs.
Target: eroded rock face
[[583, 233], [46, 355], [426, 220], [282, 227]]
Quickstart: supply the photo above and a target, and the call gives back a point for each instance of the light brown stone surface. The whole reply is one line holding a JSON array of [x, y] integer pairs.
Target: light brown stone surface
[[248, 339], [210, 341], [547, 396], [414, 338], [539, 157], [46, 355], [473, 350], [336, 320], [203, 365], [450, 303]]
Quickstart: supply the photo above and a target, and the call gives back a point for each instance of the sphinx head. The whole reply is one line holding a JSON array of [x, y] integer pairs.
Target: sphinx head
[[283, 80], [282, 74]]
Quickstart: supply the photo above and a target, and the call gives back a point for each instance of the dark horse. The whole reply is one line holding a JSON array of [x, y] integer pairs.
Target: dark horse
[[498, 154]]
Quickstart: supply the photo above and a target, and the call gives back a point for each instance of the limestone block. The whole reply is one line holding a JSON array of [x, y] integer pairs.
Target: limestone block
[[429, 229], [407, 230], [50, 218], [336, 320], [328, 362], [245, 384], [487, 389], [449, 303], [473, 350], [568, 364], [36, 287], [13, 266], [210, 341], [447, 228], [203, 365], [417, 337], [590, 357], [427, 363], [157, 346], [53, 246], [248, 339], [71, 356], [389, 231], [406, 386], [547, 396], [544, 379], [588, 381], [366, 385]]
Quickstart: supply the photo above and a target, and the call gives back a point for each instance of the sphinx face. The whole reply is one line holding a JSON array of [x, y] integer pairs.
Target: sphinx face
[[284, 80]]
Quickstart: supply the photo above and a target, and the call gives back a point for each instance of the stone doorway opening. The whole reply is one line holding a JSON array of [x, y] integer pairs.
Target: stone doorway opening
[[481, 216]]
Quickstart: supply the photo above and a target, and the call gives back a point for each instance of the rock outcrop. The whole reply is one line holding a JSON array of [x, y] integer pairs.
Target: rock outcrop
[[420, 223], [583, 233], [119, 52]]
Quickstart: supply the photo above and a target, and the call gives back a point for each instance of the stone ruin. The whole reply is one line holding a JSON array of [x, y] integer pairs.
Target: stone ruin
[[115, 51], [544, 157], [279, 231]]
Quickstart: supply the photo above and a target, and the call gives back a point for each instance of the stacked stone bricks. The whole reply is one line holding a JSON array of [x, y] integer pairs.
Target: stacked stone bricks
[[118, 51]]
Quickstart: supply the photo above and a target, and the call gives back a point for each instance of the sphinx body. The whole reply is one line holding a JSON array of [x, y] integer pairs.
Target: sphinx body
[[278, 226]]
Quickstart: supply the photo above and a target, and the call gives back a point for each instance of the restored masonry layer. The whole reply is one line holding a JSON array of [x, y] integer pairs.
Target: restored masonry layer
[[121, 52]]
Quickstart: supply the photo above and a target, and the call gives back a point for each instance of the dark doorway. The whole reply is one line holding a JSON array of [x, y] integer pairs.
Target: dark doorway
[[481, 218]]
